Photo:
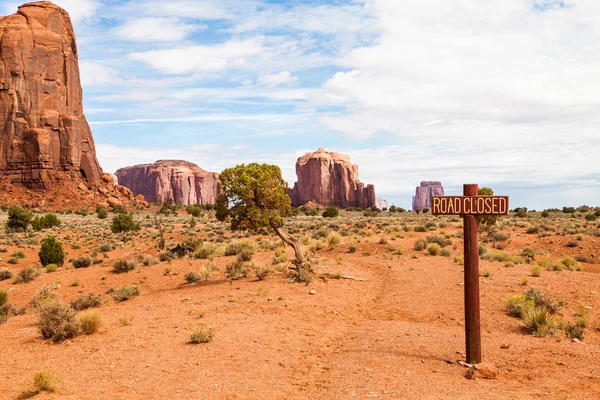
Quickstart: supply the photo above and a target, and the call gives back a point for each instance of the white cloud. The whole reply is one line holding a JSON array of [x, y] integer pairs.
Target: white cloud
[[198, 9], [94, 74], [282, 78], [79, 10], [152, 29]]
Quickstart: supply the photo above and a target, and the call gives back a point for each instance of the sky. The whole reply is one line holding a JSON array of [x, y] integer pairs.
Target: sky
[[503, 93]]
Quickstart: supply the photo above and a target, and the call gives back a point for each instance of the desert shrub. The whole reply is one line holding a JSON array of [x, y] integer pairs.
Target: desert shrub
[[51, 252], [482, 249], [236, 269], [243, 249], [106, 247], [497, 255], [208, 269], [544, 300], [102, 213], [331, 212], [194, 210], [459, 258], [18, 254], [148, 260], [45, 222], [165, 256], [202, 335], [5, 274], [18, 219], [279, 257], [125, 293], [533, 230], [57, 321], [85, 301], [262, 272], [516, 305], [420, 228], [352, 249], [82, 262], [192, 277], [5, 307], [434, 249], [591, 217], [124, 223], [43, 295], [123, 266], [51, 268], [205, 251], [90, 321], [528, 253], [43, 381], [333, 239], [420, 244], [27, 275], [442, 242], [539, 321], [571, 264], [320, 233], [536, 271], [13, 260], [572, 243], [445, 253]]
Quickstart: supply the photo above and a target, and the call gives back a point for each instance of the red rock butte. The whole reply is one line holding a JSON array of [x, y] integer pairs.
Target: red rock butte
[[44, 136], [184, 182], [330, 179], [425, 192]]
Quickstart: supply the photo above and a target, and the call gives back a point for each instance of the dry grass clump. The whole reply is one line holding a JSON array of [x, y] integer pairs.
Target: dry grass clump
[[434, 249], [82, 262], [90, 321], [536, 310], [202, 335], [5, 274], [124, 293], [27, 275], [85, 301], [43, 381], [192, 277], [123, 266]]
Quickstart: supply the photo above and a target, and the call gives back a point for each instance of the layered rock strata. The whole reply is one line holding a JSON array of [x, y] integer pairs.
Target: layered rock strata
[[330, 179], [184, 182], [424, 193]]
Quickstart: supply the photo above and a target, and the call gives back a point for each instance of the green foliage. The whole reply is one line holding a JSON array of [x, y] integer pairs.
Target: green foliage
[[442, 242], [488, 220], [43, 381], [51, 252], [18, 219], [331, 212], [254, 196], [82, 262], [123, 266], [539, 321], [243, 249], [591, 217], [124, 223], [45, 222], [194, 210], [102, 213]]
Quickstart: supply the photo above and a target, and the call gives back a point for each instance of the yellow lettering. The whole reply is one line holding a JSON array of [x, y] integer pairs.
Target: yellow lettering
[[503, 205], [488, 205], [467, 203], [480, 205], [451, 206], [495, 206], [457, 205], [443, 204], [436, 205]]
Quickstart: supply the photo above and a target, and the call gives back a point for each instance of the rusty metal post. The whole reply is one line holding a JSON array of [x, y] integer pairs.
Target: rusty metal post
[[472, 317]]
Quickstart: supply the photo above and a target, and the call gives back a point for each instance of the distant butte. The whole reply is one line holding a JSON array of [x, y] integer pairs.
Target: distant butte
[[425, 192], [184, 182], [330, 179]]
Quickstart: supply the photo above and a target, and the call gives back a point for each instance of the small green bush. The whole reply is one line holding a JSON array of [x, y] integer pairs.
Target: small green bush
[[18, 219], [51, 252], [194, 210], [539, 321], [124, 223], [243, 249], [45, 222], [331, 212], [102, 213]]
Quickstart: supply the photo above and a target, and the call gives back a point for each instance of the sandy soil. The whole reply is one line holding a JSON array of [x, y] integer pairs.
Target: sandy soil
[[396, 335]]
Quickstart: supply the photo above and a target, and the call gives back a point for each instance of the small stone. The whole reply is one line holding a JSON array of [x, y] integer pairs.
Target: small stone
[[270, 299], [482, 371], [312, 292], [577, 341], [505, 346]]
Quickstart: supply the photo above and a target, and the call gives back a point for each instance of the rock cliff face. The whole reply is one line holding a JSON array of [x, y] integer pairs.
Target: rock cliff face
[[184, 182], [330, 179], [381, 204], [45, 139], [424, 193]]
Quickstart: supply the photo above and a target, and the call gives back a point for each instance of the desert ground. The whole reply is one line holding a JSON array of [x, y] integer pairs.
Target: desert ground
[[394, 331]]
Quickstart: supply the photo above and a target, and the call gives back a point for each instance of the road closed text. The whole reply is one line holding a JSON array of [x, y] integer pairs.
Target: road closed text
[[465, 205]]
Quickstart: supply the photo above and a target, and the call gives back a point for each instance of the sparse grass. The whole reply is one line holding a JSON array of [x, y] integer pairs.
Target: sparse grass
[[536, 271], [434, 249], [262, 272], [333, 239], [538, 321], [201, 335], [459, 258], [125, 293], [125, 320]]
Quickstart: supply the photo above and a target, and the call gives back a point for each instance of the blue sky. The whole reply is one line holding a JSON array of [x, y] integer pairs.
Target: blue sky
[[504, 93]]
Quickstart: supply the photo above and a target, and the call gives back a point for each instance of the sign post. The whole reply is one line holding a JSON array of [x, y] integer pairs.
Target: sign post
[[470, 205]]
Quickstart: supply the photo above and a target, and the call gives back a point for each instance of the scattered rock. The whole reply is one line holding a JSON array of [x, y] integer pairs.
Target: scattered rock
[[313, 292], [482, 371]]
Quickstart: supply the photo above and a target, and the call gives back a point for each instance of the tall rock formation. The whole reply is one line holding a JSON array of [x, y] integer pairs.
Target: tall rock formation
[[184, 182], [45, 139], [330, 179], [424, 193], [381, 204]]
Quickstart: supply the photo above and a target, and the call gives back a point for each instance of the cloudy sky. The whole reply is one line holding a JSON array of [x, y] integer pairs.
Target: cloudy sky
[[504, 93]]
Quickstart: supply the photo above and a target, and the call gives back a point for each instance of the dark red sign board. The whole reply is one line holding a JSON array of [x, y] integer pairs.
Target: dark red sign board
[[470, 205]]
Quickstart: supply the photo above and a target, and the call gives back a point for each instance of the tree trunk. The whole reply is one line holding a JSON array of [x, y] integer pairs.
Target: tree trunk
[[294, 244]]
